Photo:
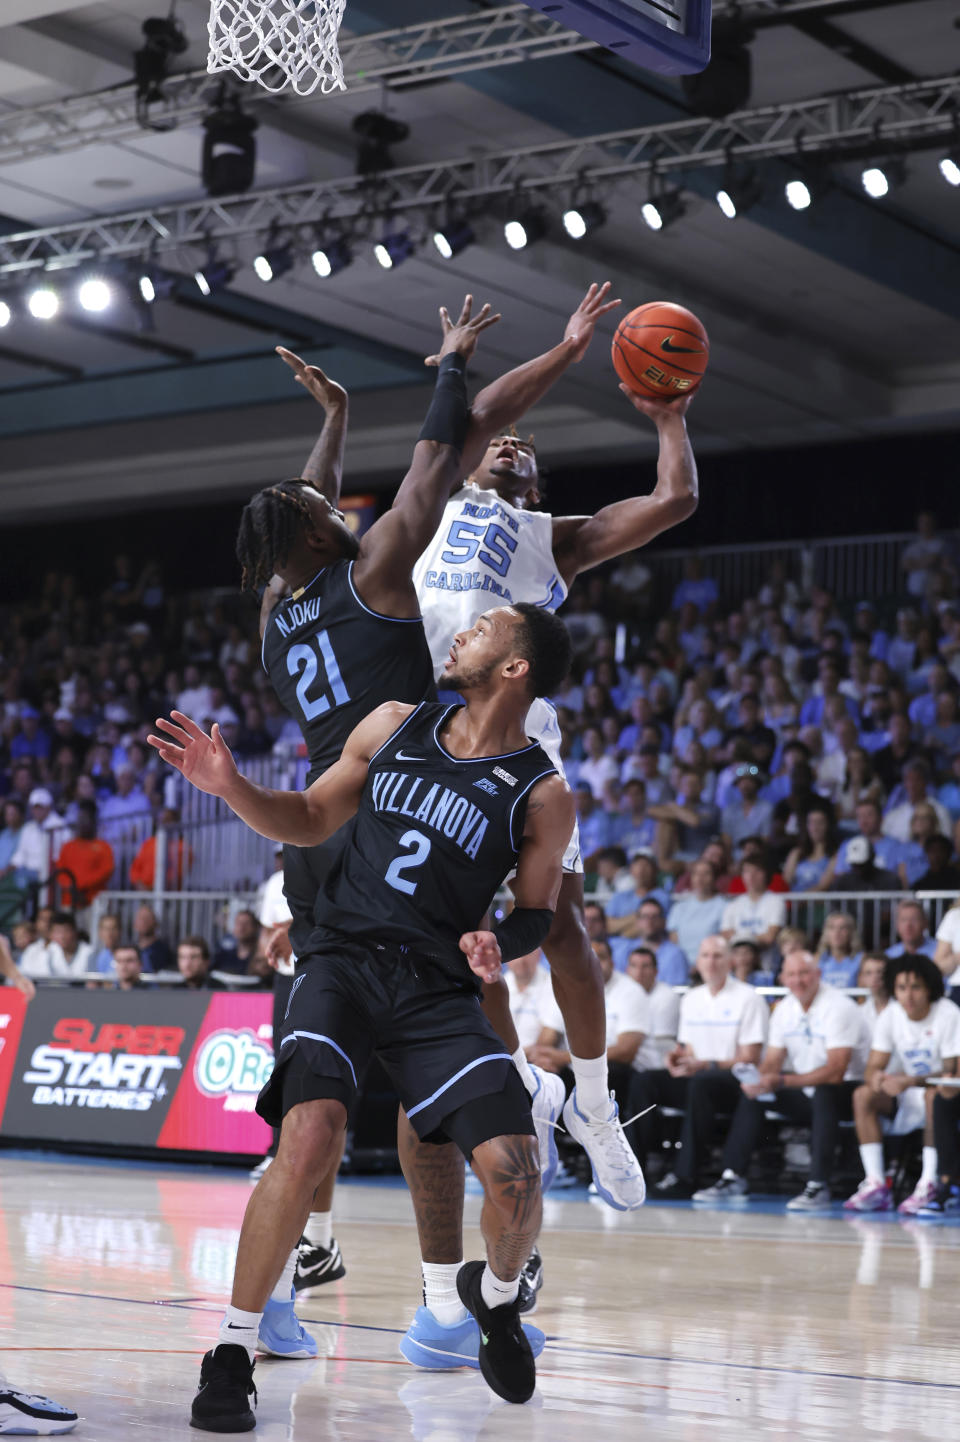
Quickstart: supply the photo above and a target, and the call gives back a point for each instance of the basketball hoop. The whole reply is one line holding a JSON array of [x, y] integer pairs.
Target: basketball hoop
[[278, 43]]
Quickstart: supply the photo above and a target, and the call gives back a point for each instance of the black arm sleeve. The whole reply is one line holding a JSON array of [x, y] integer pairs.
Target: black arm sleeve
[[449, 413], [523, 931]]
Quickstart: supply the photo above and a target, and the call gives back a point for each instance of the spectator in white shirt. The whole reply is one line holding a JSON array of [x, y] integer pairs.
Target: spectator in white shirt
[[598, 767], [63, 955], [947, 955], [32, 853], [664, 1010], [916, 790], [528, 983], [628, 1022], [759, 913], [815, 1057], [722, 1023], [922, 1029]]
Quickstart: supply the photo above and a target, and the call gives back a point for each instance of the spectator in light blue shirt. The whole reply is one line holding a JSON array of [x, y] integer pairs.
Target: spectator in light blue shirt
[[108, 938], [840, 951], [912, 934], [698, 912], [700, 590], [746, 815], [646, 883], [949, 793], [596, 828], [13, 819], [886, 851], [649, 927]]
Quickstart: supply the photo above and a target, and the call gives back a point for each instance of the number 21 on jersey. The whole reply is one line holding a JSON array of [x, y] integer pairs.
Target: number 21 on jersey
[[304, 658]]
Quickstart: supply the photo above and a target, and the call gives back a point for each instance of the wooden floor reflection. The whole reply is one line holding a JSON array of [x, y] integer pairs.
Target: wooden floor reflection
[[672, 1323]]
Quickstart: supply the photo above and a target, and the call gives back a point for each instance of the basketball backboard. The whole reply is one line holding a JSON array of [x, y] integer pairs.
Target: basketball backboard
[[671, 36]]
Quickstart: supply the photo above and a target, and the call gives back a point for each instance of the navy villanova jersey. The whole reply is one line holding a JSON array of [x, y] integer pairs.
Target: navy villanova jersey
[[331, 661], [433, 838]]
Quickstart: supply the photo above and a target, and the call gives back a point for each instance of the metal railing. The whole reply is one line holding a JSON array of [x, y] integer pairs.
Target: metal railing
[[179, 913]]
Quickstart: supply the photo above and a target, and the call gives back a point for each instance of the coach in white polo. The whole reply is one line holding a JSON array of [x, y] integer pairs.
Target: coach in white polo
[[722, 1022], [528, 984], [815, 1058]]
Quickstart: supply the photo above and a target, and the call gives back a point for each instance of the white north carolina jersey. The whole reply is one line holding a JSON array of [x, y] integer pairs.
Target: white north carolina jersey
[[485, 553]]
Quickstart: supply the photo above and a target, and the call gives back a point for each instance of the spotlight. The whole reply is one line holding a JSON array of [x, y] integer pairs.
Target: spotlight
[[5, 314], [452, 238], [94, 294], [526, 228], [663, 209], [949, 167], [798, 193], [331, 257], [274, 261], [154, 283], [214, 275], [580, 220], [739, 191], [879, 180], [147, 289], [163, 38], [229, 149], [375, 133], [43, 303], [394, 249]]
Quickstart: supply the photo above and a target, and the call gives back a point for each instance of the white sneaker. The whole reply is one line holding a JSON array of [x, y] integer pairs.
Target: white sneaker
[[728, 1189], [815, 1197], [921, 1196], [872, 1195], [617, 1174], [547, 1104], [33, 1416]]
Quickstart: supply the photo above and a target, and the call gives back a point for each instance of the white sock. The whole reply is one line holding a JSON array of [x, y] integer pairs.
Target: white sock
[[496, 1293], [593, 1092], [729, 1175], [281, 1292], [240, 1328], [440, 1293], [871, 1155], [929, 1173], [523, 1067], [319, 1229]]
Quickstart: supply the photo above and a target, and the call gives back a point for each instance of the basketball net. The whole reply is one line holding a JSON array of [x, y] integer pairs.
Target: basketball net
[[278, 43]]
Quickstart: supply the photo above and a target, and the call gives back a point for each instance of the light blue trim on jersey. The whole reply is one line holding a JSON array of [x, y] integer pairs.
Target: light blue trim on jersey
[[473, 759], [403, 723], [316, 1036], [526, 792], [557, 592], [283, 602], [397, 620], [498, 1056]]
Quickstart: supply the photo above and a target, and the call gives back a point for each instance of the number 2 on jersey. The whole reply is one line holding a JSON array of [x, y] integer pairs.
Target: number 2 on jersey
[[305, 656], [419, 851]]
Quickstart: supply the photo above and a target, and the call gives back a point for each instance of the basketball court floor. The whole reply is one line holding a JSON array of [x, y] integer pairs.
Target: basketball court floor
[[672, 1323]]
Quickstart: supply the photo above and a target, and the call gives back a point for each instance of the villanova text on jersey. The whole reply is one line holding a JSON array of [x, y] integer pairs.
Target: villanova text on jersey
[[433, 839]]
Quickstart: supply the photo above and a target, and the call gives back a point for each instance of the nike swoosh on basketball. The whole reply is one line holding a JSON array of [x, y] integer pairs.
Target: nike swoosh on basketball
[[667, 345], [401, 757]]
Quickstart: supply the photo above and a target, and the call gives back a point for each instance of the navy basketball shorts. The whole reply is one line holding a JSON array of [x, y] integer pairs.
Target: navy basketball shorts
[[455, 1080]]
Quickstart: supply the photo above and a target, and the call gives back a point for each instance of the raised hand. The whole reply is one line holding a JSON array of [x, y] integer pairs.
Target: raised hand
[[205, 761], [582, 323], [483, 954], [659, 410], [325, 391], [463, 336]]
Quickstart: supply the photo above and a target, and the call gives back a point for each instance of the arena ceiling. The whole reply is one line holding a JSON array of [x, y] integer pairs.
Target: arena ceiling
[[829, 324]]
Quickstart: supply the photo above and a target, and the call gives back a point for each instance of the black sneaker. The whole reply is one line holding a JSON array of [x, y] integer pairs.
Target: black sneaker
[[506, 1360], [316, 1265], [531, 1280], [226, 1381]]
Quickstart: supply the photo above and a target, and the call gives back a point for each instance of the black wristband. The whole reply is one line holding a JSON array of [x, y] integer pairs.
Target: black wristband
[[449, 413], [523, 931]]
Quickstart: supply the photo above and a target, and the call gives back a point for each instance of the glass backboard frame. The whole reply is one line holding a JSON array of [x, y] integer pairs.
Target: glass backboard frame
[[669, 36]]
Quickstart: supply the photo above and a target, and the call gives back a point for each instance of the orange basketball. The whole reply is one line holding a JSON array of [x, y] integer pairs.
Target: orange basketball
[[660, 349]]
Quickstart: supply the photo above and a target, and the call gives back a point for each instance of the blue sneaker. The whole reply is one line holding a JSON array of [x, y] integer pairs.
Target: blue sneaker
[[943, 1205], [547, 1104], [282, 1334], [32, 1416], [429, 1344]]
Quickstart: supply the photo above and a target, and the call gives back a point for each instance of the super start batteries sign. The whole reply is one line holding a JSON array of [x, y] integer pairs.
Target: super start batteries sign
[[143, 1068]]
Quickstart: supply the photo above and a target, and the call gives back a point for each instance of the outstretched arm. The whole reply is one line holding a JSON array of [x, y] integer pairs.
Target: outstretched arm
[[302, 818], [581, 542], [324, 469]]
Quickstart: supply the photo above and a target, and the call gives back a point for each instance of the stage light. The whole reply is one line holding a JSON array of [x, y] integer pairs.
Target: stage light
[[580, 220], [163, 38], [229, 149], [331, 257], [878, 180], [147, 289], [94, 294], [394, 248], [274, 261], [799, 195], [949, 167], [741, 189], [6, 314], [214, 275], [663, 209], [453, 237], [43, 303], [526, 228]]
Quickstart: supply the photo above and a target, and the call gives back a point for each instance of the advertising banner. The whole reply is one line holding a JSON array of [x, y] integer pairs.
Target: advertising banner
[[136, 1069]]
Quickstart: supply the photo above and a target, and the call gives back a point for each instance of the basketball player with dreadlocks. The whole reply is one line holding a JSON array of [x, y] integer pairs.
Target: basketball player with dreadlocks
[[347, 638], [493, 543]]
